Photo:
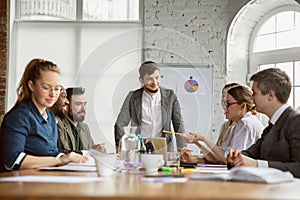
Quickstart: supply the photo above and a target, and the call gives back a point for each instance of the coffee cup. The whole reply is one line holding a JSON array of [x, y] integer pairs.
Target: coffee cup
[[152, 162]]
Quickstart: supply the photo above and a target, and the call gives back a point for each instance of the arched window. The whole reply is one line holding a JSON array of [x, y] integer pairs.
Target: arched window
[[276, 43]]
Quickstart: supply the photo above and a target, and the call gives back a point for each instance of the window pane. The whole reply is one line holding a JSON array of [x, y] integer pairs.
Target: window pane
[[285, 40], [286, 36], [291, 99], [297, 20], [297, 74], [297, 38], [265, 43], [288, 68], [267, 27], [111, 9], [297, 97], [48, 9], [285, 21], [262, 67]]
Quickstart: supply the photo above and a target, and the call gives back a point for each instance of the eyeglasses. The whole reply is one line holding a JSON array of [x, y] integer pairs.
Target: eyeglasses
[[226, 104], [48, 89]]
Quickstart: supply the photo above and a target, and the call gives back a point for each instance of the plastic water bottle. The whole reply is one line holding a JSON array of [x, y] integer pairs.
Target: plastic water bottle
[[129, 149]]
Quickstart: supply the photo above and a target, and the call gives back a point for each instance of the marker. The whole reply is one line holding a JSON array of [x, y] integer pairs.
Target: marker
[[188, 170], [166, 169]]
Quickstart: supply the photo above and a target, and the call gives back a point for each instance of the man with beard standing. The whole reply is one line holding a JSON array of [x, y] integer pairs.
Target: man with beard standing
[[151, 108]]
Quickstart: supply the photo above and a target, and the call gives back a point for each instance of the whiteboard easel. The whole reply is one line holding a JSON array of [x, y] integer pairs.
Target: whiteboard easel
[[193, 85]]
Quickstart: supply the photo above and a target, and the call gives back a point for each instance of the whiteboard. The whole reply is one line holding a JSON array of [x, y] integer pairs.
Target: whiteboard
[[193, 85]]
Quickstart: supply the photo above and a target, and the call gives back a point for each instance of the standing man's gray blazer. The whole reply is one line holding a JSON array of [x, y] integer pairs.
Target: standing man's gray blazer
[[131, 112], [281, 145]]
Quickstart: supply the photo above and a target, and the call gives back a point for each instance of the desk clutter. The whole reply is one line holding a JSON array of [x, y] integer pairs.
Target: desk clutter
[[154, 169], [167, 175]]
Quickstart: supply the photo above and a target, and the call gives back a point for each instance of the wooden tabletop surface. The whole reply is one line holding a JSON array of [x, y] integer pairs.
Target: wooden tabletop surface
[[130, 186]]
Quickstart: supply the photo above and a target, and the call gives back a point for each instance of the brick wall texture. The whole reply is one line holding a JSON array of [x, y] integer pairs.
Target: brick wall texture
[[191, 31], [197, 31], [3, 54]]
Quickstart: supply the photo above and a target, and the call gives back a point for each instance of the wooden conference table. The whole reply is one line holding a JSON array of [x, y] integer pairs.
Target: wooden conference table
[[128, 186]]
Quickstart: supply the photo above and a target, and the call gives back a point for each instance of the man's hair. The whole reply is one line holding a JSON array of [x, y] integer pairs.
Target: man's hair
[[74, 91], [147, 68], [273, 79]]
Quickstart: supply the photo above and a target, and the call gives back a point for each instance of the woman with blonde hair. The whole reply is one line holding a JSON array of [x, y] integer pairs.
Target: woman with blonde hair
[[28, 137], [239, 108], [227, 126]]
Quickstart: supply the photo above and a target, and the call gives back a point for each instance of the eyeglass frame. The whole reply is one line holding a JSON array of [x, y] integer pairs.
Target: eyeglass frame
[[47, 88], [227, 104]]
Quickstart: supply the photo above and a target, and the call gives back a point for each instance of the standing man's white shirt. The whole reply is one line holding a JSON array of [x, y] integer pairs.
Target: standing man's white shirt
[[151, 115]]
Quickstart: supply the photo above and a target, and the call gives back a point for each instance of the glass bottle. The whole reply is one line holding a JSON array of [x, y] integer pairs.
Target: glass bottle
[[129, 148]]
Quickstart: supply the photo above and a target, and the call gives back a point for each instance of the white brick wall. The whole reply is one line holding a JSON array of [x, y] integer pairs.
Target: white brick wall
[[194, 31]]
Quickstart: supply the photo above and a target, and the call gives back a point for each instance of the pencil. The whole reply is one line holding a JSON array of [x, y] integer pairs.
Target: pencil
[[119, 146], [170, 132], [184, 148]]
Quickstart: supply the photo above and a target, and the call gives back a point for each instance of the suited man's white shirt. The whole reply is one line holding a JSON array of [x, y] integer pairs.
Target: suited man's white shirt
[[151, 115], [273, 120]]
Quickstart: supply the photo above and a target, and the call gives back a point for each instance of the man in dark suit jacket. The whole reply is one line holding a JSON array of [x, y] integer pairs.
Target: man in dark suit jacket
[[166, 107], [279, 146]]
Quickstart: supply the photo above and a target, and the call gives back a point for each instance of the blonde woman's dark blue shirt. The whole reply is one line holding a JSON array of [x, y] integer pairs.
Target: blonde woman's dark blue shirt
[[24, 131]]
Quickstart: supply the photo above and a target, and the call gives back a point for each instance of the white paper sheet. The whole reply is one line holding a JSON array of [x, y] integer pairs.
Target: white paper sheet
[[89, 166], [164, 180], [51, 179], [249, 174], [212, 169], [71, 168]]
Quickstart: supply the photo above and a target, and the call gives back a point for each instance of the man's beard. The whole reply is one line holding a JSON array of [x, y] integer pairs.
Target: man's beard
[[77, 118], [151, 91], [61, 114]]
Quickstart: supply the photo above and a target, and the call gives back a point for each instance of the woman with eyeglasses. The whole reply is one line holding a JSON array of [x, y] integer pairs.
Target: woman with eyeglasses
[[228, 125], [239, 109], [28, 137]]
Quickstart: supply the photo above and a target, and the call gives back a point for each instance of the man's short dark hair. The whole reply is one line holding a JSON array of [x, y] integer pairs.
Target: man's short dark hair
[[147, 68], [273, 79], [74, 91]]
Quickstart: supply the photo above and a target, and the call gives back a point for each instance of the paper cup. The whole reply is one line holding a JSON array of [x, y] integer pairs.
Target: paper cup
[[106, 163]]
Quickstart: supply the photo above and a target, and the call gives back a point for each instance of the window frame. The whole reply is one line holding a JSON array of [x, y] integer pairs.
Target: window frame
[[272, 56], [79, 15]]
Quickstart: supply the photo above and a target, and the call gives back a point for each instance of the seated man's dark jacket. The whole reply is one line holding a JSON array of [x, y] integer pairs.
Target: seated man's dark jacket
[[281, 145]]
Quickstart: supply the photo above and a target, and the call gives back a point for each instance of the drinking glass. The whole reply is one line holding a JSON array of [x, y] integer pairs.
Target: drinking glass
[[173, 160]]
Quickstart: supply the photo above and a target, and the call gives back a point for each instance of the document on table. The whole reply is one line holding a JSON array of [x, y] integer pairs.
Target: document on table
[[211, 168], [89, 166], [51, 179], [71, 167], [249, 174], [164, 179]]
